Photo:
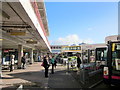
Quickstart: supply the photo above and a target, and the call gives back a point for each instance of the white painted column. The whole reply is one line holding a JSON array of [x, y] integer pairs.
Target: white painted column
[[20, 54], [31, 56]]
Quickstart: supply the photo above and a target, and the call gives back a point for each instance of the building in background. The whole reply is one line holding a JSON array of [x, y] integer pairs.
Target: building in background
[[56, 49]]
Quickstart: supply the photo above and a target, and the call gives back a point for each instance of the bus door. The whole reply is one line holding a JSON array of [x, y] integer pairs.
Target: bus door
[[101, 57], [90, 64]]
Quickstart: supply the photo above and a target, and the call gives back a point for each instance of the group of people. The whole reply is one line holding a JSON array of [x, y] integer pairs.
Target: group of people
[[12, 62], [46, 64], [47, 60]]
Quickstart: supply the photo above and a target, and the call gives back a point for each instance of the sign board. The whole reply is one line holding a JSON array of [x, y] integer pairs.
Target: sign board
[[31, 42], [8, 50], [18, 32]]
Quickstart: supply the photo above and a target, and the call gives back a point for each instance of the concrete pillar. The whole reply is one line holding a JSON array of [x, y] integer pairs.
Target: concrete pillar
[[36, 56], [20, 54], [41, 55], [31, 56]]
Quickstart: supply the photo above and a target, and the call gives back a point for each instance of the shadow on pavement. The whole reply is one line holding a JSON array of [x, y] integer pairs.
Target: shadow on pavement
[[35, 78]]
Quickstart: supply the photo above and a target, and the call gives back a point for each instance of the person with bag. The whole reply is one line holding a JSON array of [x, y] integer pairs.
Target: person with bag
[[42, 64], [46, 66]]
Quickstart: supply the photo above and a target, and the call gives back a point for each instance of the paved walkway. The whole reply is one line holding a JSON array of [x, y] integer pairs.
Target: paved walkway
[[62, 79], [34, 75]]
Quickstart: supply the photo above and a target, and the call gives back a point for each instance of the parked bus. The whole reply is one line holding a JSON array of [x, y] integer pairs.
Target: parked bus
[[71, 48], [112, 69], [69, 52], [94, 56]]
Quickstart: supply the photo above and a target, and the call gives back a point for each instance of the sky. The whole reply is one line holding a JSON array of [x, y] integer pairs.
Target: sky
[[76, 22]]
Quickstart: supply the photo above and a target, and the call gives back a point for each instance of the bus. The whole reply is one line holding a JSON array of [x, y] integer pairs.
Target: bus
[[71, 48], [69, 53], [111, 73], [94, 55]]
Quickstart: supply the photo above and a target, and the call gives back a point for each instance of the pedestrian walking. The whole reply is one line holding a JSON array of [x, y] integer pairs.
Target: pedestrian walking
[[52, 62], [23, 60], [12, 62], [46, 65], [78, 61]]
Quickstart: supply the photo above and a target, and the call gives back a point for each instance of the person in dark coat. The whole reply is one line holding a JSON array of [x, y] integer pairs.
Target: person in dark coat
[[78, 61], [23, 62], [46, 66]]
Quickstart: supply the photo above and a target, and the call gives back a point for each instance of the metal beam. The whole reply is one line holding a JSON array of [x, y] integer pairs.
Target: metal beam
[[4, 14], [7, 26]]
